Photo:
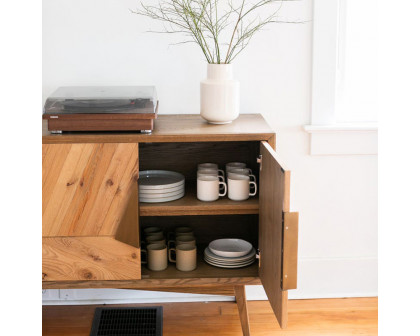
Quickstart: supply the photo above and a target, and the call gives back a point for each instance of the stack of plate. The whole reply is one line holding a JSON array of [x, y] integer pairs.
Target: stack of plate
[[229, 253], [157, 186]]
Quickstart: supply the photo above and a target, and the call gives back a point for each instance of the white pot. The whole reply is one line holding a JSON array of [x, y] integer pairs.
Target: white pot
[[219, 95]]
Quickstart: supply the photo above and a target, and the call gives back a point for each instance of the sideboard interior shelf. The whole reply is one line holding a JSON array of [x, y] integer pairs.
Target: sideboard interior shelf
[[203, 270], [189, 205]]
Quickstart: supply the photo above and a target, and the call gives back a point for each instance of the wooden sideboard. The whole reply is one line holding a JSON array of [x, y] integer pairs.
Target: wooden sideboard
[[92, 219]]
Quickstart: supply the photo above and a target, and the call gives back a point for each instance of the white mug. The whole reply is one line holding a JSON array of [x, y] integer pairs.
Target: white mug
[[234, 165], [239, 187], [210, 166], [208, 188], [243, 171], [209, 171]]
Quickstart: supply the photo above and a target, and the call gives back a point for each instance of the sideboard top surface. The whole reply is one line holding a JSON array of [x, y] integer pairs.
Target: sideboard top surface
[[174, 128]]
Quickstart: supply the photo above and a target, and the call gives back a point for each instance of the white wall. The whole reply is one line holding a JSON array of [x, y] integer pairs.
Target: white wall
[[99, 42]]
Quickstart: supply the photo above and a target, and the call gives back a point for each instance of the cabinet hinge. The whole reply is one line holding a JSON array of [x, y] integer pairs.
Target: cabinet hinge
[[258, 256], [259, 160]]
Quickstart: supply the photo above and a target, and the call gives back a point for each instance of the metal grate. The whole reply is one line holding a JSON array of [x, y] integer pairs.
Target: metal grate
[[125, 321]]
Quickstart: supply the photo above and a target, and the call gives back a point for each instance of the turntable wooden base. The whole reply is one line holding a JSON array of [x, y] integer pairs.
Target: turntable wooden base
[[100, 121]]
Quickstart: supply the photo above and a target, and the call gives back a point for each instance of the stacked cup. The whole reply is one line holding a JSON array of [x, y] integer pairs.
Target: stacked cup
[[241, 182], [156, 249], [183, 253], [210, 182], [184, 250]]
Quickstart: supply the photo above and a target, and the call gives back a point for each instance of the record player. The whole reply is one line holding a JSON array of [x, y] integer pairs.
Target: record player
[[101, 108]]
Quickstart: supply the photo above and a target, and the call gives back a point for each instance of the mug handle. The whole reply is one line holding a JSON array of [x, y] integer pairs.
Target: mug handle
[[222, 172], [249, 171], [170, 255], [223, 184], [255, 191], [252, 178], [170, 242], [143, 260], [221, 178]]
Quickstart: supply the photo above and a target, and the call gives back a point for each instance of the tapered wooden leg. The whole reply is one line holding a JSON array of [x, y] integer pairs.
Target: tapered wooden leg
[[283, 317], [243, 309]]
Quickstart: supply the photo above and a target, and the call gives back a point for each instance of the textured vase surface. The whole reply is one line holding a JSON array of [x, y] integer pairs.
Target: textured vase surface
[[219, 95]]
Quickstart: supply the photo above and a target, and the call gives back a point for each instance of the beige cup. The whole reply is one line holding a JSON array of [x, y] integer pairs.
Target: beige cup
[[239, 187], [155, 239], [157, 257], [182, 239], [180, 230], [153, 230], [185, 257]]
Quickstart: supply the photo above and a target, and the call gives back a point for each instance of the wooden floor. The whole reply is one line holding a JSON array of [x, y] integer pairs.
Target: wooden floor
[[338, 317]]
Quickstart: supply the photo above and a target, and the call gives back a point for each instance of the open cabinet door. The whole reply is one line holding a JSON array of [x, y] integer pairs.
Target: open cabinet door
[[90, 212], [274, 202]]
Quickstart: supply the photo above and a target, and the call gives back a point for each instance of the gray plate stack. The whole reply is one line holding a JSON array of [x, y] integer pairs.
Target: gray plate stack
[[156, 186]]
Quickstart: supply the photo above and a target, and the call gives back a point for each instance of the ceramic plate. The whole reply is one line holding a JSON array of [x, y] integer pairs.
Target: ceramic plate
[[161, 191], [211, 255], [160, 195], [230, 247], [160, 179], [229, 266], [229, 262], [161, 199]]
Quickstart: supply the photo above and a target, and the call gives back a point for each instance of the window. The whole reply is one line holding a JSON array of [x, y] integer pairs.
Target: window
[[356, 62], [344, 78]]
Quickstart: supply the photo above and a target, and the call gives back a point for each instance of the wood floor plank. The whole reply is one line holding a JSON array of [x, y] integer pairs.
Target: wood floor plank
[[331, 317]]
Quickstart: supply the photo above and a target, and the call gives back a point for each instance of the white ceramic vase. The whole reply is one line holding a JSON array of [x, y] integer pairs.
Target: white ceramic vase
[[219, 95]]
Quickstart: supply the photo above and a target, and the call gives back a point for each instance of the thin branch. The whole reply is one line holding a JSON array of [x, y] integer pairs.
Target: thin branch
[[202, 22]]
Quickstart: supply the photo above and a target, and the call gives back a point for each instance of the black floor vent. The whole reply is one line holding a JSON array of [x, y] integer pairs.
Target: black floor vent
[[125, 321]]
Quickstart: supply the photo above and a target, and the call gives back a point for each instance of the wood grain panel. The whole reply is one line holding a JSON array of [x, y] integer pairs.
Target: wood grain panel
[[250, 278], [128, 229], [99, 125], [175, 128], [272, 188], [86, 187], [212, 290], [88, 258], [290, 250]]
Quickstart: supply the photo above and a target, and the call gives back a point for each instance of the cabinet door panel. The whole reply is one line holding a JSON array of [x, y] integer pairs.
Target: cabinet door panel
[[273, 196], [90, 217], [88, 258], [86, 187]]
